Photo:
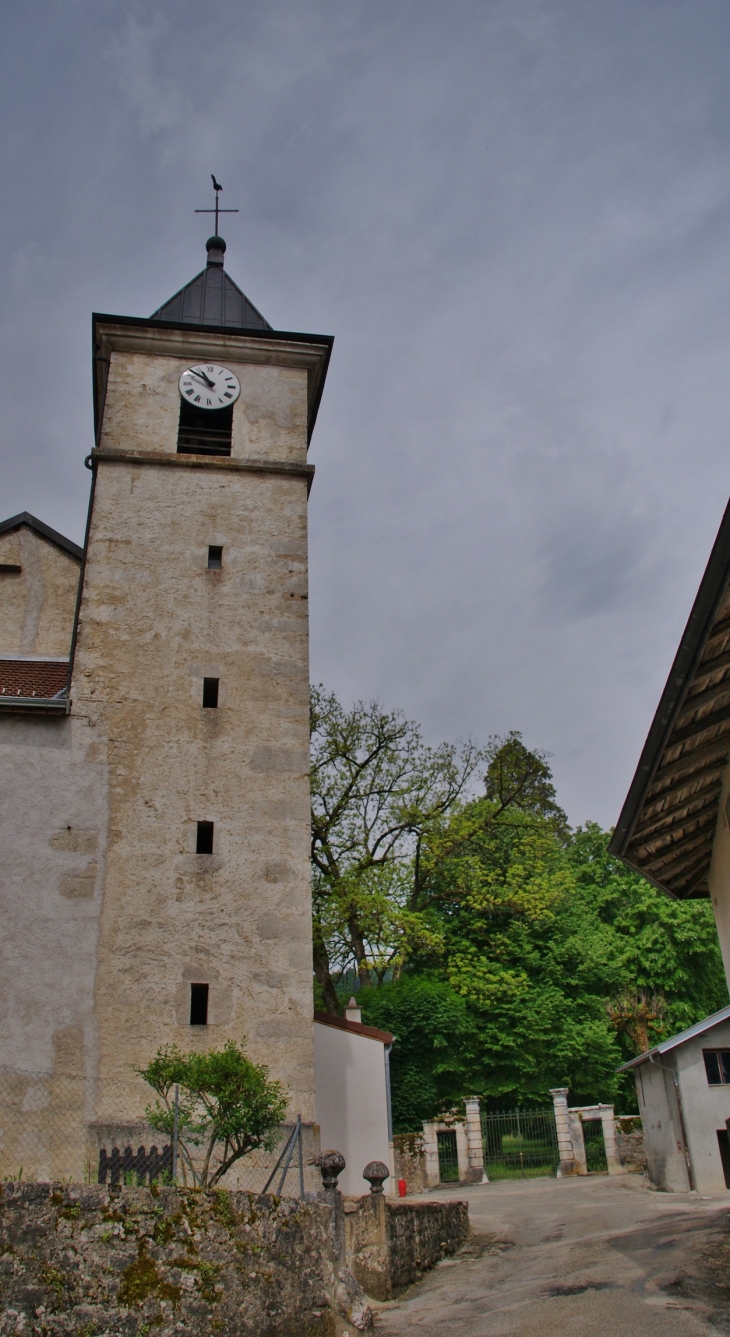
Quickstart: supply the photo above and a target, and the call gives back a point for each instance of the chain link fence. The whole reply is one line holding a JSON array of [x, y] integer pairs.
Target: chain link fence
[[77, 1130]]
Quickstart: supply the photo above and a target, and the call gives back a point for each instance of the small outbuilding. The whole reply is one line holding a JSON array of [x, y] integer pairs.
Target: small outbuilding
[[352, 1094], [683, 1089]]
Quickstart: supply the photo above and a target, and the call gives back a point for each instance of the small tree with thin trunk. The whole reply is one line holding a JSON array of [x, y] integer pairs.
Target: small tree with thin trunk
[[227, 1108], [634, 1013]]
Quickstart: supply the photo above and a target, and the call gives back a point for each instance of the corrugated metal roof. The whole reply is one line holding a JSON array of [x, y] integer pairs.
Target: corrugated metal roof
[[212, 298], [698, 1029]]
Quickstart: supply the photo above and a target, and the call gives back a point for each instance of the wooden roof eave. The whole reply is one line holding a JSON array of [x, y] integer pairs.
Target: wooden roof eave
[[664, 778], [665, 822]]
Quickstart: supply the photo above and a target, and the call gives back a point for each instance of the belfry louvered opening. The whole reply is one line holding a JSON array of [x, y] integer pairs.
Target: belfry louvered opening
[[204, 431]]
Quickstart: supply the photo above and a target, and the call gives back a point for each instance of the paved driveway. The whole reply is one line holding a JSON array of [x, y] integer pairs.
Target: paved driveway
[[589, 1257]]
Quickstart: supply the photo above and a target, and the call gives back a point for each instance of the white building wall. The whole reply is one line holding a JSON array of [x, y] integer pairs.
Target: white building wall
[[351, 1101], [662, 1126], [705, 1108]]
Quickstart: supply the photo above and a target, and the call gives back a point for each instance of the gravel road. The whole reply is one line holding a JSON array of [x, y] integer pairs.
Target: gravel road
[[589, 1257]]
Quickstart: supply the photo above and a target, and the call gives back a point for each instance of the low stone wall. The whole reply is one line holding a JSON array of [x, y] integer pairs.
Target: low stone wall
[[106, 1261], [630, 1144], [390, 1244], [173, 1263], [410, 1161]]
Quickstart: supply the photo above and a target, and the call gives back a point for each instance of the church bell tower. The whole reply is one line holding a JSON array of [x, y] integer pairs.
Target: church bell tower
[[190, 685]]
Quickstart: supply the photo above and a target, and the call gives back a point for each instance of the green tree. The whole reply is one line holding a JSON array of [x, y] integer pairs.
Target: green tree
[[519, 778], [543, 960], [664, 949], [543, 936], [227, 1108], [377, 789], [431, 1023], [385, 808]]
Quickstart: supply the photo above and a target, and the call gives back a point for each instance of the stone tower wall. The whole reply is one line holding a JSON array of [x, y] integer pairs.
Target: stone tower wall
[[109, 912], [154, 621]]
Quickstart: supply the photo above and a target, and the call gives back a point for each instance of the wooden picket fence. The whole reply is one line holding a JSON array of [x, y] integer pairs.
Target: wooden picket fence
[[142, 1167]]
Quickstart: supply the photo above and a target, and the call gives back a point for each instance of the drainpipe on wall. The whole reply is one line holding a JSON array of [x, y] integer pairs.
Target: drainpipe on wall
[[678, 1098], [393, 1186], [386, 1054]]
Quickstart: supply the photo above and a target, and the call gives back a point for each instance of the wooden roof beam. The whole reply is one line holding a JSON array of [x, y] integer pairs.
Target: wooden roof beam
[[696, 888], [692, 837], [704, 697], [690, 876], [717, 751], [671, 869], [676, 816], [683, 792], [703, 780], [719, 628], [698, 727], [711, 665]]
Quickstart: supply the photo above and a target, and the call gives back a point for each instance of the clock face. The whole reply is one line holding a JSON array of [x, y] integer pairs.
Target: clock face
[[209, 387]]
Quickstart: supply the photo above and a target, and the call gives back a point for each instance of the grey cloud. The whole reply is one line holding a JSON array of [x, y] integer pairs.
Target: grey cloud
[[514, 216]]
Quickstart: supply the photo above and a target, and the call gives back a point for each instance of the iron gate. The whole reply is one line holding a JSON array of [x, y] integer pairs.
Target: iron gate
[[448, 1157], [594, 1144], [520, 1144]]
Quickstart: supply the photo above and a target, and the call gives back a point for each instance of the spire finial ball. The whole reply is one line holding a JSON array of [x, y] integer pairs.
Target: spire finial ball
[[216, 248]]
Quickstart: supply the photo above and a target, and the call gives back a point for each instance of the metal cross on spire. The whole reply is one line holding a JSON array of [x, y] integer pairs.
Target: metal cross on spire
[[217, 188]]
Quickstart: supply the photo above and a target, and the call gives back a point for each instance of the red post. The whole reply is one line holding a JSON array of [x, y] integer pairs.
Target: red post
[[402, 1190]]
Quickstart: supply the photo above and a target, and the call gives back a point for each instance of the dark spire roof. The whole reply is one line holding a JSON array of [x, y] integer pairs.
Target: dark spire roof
[[212, 298]]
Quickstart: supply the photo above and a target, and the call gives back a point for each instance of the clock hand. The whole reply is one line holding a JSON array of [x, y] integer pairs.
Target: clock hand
[[203, 377]]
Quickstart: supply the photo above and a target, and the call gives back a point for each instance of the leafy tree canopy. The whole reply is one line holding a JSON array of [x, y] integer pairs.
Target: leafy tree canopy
[[227, 1107], [506, 952]]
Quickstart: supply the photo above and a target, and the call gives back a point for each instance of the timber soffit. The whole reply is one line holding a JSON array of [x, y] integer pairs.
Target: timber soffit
[[320, 344], [667, 823]]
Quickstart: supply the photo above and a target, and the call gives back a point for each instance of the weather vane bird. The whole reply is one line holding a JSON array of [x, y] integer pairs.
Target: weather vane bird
[[217, 188]]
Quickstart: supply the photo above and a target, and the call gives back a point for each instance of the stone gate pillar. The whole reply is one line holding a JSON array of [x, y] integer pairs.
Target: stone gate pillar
[[475, 1146], [431, 1155], [608, 1122], [579, 1144], [562, 1124], [462, 1152]]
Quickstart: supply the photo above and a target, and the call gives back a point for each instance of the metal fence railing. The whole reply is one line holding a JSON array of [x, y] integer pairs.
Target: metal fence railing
[[594, 1144], [519, 1143], [448, 1156]]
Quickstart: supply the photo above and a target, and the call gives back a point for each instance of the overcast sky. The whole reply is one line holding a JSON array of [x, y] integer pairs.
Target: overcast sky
[[515, 219]]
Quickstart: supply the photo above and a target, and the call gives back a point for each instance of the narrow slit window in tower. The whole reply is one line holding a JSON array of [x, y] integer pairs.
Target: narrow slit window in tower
[[215, 557], [210, 693], [198, 1004], [204, 431], [204, 843]]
